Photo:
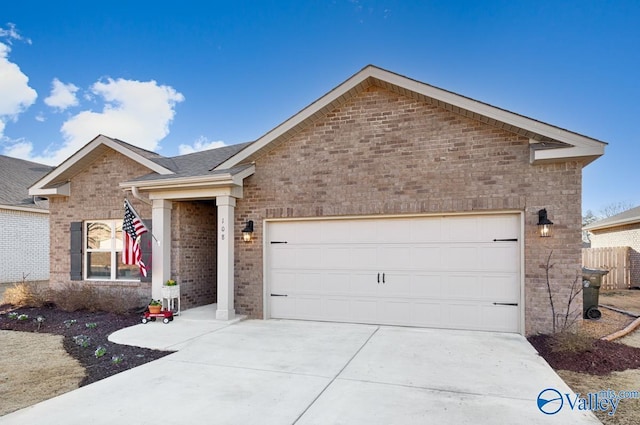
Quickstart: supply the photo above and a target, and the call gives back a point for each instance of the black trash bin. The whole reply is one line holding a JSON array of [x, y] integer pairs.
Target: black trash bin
[[591, 282]]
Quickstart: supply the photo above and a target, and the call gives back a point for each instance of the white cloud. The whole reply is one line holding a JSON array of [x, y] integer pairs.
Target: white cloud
[[138, 112], [201, 144], [15, 94], [11, 33], [62, 95]]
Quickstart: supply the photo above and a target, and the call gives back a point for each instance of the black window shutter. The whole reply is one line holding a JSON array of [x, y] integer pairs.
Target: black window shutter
[[146, 246], [76, 250]]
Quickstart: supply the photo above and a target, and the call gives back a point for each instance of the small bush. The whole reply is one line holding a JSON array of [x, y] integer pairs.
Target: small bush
[[25, 295], [74, 297], [82, 296], [573, 342]]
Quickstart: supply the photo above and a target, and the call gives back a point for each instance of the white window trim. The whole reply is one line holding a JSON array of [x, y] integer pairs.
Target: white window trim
[[113, 250]]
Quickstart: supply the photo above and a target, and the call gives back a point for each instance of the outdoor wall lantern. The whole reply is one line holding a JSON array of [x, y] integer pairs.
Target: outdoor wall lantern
[[544, 224], [247, 232]]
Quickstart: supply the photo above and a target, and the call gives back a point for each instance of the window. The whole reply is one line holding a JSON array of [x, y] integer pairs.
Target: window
[[103, 253]]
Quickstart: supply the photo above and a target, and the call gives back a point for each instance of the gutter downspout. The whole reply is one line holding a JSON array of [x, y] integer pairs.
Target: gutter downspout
[[136, 194]]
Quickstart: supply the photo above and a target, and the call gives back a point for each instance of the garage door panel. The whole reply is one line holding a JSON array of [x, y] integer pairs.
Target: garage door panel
[[309, 282], [395, 312], [463, 286], [427, 314], [500, 288], [425, 285], [336, 283], [462, 257], [363, 284], [500, 227], [338, 308], [282, 281], [336, 257], [499, 318], [363, 257], [308, 257], [500, 258], [426, 257], [364, 310], [426, 231], [443, 271], [394, 257], [396, 284]]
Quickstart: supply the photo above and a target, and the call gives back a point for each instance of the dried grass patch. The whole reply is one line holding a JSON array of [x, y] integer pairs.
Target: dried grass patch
[[34, 367], [628, 412]]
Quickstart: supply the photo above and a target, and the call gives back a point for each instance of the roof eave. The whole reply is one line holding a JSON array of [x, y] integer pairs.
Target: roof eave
[[612, 224], [24, 209], [62, 190], [67, 166], [478, 110], [220, 179]]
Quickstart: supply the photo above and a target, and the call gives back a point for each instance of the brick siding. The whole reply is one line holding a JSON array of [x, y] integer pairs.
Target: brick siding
[[24, 246], [628, 235], [382, 153], [95, 195], [193, 251]]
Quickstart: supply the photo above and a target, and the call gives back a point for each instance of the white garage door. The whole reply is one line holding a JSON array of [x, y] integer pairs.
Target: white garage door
[[459, 272]]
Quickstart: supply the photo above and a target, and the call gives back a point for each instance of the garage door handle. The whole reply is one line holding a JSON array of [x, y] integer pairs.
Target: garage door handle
[[511, 304], [506, 240], [279, 295], [378, 277], [383, 278]]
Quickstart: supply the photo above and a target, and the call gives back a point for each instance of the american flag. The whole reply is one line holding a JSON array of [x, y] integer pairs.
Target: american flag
[[133, 228]]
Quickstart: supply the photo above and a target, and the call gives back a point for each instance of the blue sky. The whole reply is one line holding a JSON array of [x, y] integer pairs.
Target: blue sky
[[181, 76]]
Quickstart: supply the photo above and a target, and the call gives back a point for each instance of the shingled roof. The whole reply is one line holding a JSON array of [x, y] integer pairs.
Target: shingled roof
[[16, 175], [630, 216]]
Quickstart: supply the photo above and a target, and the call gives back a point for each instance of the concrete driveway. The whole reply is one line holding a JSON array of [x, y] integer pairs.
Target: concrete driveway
[[295, 372]]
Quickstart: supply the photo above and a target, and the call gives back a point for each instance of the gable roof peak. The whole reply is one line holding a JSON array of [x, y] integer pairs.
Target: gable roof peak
[[548, 143]]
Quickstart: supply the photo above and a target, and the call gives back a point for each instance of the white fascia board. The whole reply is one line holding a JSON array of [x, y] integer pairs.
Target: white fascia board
[[136, 157], [295, 120], [575, 152], [62, 190], [223, 179], [100, 140], [462, 102], [617, 223], [24, 209], [489, 111]]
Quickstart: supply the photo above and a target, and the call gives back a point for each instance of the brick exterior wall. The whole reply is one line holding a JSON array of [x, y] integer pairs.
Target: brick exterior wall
[[24, 246], [628, 235], [193, 251], [382, 153], [95, 195]]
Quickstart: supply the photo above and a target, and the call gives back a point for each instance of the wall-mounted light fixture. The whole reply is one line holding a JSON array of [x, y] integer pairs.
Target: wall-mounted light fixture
[[247, 232], [544, 224]]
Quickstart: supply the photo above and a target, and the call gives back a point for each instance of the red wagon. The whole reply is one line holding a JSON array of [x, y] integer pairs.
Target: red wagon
[[166, 315]]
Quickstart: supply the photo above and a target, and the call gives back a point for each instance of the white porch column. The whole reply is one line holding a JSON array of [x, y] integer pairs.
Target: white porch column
[[226, 208], [161, 251]]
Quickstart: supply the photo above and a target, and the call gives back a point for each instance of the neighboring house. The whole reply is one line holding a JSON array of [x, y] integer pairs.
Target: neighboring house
[[620, 230], [24, 222], [385, 201]]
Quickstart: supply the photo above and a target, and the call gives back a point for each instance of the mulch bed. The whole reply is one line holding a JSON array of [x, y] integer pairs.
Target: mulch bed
[[602, 358], [59, 322]]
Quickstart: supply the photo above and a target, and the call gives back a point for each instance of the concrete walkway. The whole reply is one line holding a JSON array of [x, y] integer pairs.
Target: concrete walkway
[[295, 372]]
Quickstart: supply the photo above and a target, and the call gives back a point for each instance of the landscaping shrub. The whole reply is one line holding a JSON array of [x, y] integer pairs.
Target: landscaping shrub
[[572, 342], [76, 296], [25, 294]]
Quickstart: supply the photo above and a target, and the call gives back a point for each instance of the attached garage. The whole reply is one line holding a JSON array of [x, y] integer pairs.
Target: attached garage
[[456, 271]]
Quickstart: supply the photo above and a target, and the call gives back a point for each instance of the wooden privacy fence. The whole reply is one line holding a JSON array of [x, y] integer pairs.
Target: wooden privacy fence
[[615, 259]]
